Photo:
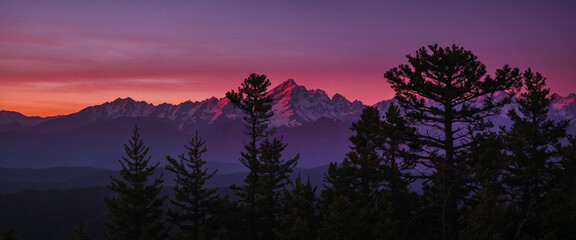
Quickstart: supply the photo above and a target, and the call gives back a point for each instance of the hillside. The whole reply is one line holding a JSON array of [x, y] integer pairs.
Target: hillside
[[313, 124]]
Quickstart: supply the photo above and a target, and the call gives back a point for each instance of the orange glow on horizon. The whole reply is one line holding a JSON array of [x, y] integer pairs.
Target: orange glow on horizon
[[52, 98], [58, 58]]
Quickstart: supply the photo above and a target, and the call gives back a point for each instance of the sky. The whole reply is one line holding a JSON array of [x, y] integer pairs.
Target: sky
[[60, 56]]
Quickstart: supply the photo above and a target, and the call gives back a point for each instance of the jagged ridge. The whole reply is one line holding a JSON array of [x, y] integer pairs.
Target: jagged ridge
[[293, 105]]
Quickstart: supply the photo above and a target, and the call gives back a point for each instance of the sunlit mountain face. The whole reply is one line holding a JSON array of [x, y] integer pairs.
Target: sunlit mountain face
[[314, 124], [59, 57], [309, 121]]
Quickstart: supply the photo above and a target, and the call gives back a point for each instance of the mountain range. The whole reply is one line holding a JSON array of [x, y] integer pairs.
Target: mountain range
[[313, 124]]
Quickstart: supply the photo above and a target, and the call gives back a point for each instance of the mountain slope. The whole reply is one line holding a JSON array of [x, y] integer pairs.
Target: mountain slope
[[312, 123], [10, 117], [293, 104]]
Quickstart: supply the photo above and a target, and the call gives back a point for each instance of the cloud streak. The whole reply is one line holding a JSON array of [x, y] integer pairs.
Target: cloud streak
[[88, 52]]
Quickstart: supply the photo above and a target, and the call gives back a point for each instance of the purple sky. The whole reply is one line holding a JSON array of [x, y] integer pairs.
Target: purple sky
[[57, 57]]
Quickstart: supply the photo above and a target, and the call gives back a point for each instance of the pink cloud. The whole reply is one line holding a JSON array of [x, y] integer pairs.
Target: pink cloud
[[177, 51]]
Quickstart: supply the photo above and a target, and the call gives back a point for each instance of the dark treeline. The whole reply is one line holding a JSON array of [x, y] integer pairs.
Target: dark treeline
[[431, 167]]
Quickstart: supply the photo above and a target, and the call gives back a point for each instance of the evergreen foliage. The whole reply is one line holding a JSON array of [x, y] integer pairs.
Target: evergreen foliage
[[477, 183], [193, 203], [253, 100], [568, 165], [135, 211], [269, 173], [275, 175], [358, 176], [365, 156], [397, 155], [398, 213], [533, 148], [560, 205], [374, 178], [358, 180], [338, 180], [489, 216], [301, 212], [453, 79]]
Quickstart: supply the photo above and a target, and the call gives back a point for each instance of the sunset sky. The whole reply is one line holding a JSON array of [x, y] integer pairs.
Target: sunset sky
[[57, 57]]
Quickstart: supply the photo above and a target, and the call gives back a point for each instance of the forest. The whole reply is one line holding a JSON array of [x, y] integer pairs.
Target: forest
[[431, 167]]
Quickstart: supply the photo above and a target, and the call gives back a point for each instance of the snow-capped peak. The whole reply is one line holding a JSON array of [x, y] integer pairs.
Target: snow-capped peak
[[563, 106], [293, 105], [560, 102], [286, 85], [339, 99]]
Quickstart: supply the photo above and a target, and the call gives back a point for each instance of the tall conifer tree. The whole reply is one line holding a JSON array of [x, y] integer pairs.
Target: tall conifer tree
[[533, 147], [275, 175], [356, 181], [489, 216], [358, 177], [136, 210], [269, 173], [301, 217], [397, 157], [194, 202], [561, 204], [252, 99], [445, 92], [398, 214], [365, 156], [372, 178]]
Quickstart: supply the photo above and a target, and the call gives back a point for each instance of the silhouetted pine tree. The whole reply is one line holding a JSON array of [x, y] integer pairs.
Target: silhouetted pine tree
[[445, 91], [194, 203], [568, 165], [532, 145], [338, 180], [397, 207], [275, 175], [489, 217], [301, 212], [374, 178], [365, 157], [262, 156], [226, 221], [251, 98], [397, 156], [560, 205], [358, 176], [358, 179], [136, 210]]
